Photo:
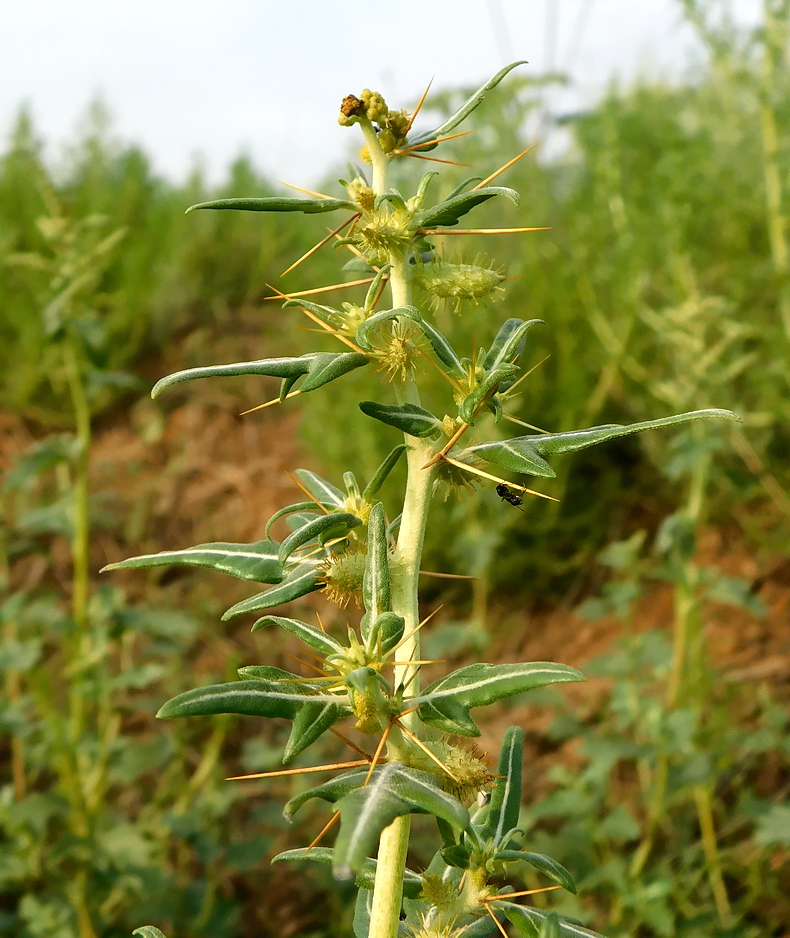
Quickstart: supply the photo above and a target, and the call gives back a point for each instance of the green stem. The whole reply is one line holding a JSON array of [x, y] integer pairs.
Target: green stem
[[686, 636], [774, 45], [394, 842], [703, 798]]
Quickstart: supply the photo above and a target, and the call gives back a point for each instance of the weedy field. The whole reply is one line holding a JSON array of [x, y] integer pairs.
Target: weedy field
[[662, 570]]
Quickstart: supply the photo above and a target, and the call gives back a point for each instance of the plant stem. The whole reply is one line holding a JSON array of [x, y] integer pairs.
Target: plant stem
[[394, 841], [776, 29]]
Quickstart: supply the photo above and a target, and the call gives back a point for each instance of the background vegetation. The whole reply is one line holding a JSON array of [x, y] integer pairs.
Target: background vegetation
[[665, 282]]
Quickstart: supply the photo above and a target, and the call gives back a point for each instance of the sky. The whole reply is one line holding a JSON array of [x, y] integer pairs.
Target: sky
[[200, 81]]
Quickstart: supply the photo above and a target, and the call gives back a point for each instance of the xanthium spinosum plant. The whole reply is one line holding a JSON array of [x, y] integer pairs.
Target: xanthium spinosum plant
[[342, 542]]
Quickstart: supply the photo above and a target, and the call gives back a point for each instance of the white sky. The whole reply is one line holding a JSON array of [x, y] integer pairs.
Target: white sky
[[207, 79]]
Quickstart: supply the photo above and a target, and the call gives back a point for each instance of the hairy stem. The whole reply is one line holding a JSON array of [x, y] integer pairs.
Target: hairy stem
[[394, 842]]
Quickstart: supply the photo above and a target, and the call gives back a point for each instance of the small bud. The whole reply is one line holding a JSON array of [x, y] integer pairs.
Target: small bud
[[351, 106]]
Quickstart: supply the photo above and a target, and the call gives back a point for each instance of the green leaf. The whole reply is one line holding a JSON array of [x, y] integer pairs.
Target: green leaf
[[309, 634], [299, 580], [508, 342], [324, 528], [149, 931], [551, 868], [376, 578], [276, 204], [445, 704], [319, 367], [529, 921], [380, 475], [365, 879], [448, 213], [392, 791], [525, 453], [464, 111], [320, 489], [387, 630], [409, 418], [312, 714], [327, 314], [505, 804], [378, 319], [257, 561]]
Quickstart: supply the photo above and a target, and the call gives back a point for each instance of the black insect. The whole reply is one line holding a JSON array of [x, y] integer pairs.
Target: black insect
[[512, 498]]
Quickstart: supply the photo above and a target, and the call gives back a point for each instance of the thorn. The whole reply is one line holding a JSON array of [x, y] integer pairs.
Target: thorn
[[430, 143], [318, 195], [487, 475], [432, 363], [334, 286], [327, 328], [310, 495], [416, 739], [305, 664], [529, 426], [435, 159], [523, 377], [468, 231], [320, 244], [448, 446], [318, 616], [332, 821], [414, 631], [501, 169], [269, 403], [496, 920], [303, 771], [351, 744], [525, 892], [417, 110], [448, 576], [377, 753]]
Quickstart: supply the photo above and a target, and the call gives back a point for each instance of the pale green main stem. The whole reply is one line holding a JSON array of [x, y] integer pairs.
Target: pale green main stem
[[394, 841]]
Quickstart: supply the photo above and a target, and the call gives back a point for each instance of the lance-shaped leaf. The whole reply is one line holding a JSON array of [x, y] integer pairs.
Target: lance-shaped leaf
[[472, 102], [257, 561], [309, 634], [323, 528], [320, 489], [319, 367], [409, 418], [391, 792], [505, 803], [448, 213], [369, 326], [365, 878], [376, 578], [298, 580], [530, 921], [277, 204], [445, 704], [509, 342], [380, 475], [525, 453], [551, 868], [311, 713]]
